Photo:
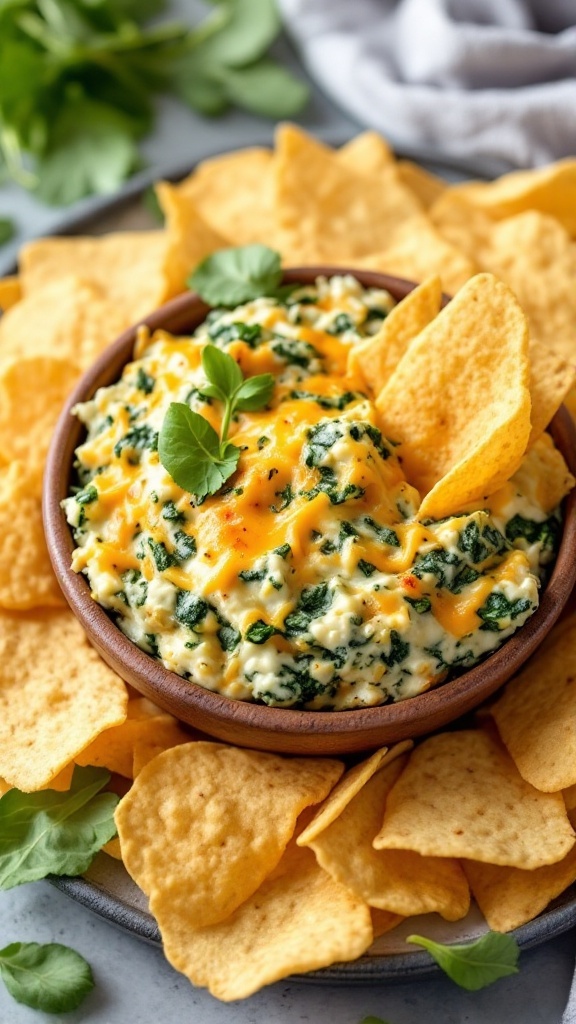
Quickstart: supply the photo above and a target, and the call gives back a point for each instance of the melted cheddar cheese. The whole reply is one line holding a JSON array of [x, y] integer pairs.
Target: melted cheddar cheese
[[306, 580]]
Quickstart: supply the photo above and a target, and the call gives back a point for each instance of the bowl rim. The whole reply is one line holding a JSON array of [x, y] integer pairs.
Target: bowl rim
[[185, 698]]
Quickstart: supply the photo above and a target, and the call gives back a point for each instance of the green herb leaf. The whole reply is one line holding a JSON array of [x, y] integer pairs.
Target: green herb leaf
[[50, 977], [254, 393], [232, 276], [190, 450], [222, 371], [6, 230], [249, 27], [265, 88], [55, 833], [91, 152], [476, 964]]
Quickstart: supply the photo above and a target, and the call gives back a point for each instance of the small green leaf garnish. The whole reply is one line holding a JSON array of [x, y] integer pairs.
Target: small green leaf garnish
[[50, 977], [232, 276], [189, 448], [476, 964], [52, 833]]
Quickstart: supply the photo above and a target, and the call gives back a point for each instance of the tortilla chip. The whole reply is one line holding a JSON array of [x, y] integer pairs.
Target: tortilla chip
[[509, 897], [376, 359], [536, 714], [234, 194], [298, 920], [115, 748], [112, 848], [146, 749], [56, 696], [550, 189], [350, 784], [466, 227], [10, 292], [417, 251], [462, 796], [189, 237], [551, 378], [425, 186], [367, 153], [383, 921], [70, 318], [27, 579], [32, 394], [402, 882], [350, 215], [226, 816], [543, 475], [459, 399], [127, 265]]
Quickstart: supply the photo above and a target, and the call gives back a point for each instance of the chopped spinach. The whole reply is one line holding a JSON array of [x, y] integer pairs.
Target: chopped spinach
[[162, 557], [228, 636], [136, 588], [87, 496], [262, 442], [284, 550], [135, 441], [419, 604], [252, 575], [359, 430], [294, 352], [328, 484], [497, 607], [399, 650], [464, 578], [342, 322], [367, 568], [313, 602], [435, 562], [286, 496], [384, 533], [547, 533], [237, 331], [171, 513], [328, 401], [185, 546], [259, 632], [152, 641], [144, 382], [190, 610], [320, 439]]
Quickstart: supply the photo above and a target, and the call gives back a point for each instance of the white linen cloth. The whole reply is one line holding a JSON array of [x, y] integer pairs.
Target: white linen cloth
[[487, 83]]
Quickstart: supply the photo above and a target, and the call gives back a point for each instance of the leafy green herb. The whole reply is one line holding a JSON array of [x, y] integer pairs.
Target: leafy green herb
[[228, 636], [144, 382], [162, 557], [366, 567], [136, 441], [419, 604], [236, 331], [78, 82], [190, 610], [232, 276], [50, 833], [50, 977], [6, 230], [399, 650], [313, 602], [286, 496], [189, 447], [185, 546], [476, 964]]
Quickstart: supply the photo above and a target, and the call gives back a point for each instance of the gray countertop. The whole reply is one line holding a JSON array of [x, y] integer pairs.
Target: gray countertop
[[133, 981]]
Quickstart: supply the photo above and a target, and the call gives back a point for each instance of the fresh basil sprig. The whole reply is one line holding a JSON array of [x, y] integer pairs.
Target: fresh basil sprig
[[232, 276], [50, 977], [189, 448], [52, 833], [476, 964]]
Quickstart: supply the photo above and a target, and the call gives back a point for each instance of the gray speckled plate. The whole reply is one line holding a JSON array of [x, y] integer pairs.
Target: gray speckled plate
[[108, 890]]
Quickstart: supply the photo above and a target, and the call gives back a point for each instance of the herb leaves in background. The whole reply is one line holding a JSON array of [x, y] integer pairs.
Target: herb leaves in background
[[232, 276], [78, 80], [198, 460], [476, 964], [55, 833], [50, 977], [6, 230]]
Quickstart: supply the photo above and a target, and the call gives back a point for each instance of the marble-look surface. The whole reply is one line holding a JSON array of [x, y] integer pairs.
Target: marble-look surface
[[135, 985]]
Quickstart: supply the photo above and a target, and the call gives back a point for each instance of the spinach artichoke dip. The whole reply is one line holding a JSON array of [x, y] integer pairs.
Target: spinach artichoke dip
[[305, 579]]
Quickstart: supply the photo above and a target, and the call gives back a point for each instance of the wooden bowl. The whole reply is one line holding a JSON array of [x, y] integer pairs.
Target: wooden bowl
[[256, 725]]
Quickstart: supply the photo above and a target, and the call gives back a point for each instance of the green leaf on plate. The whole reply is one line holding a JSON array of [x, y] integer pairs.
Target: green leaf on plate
[[265, 88], [190, 450], [50, 977], [254, 393], [476, 964], [232, 276], [55, 833]]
